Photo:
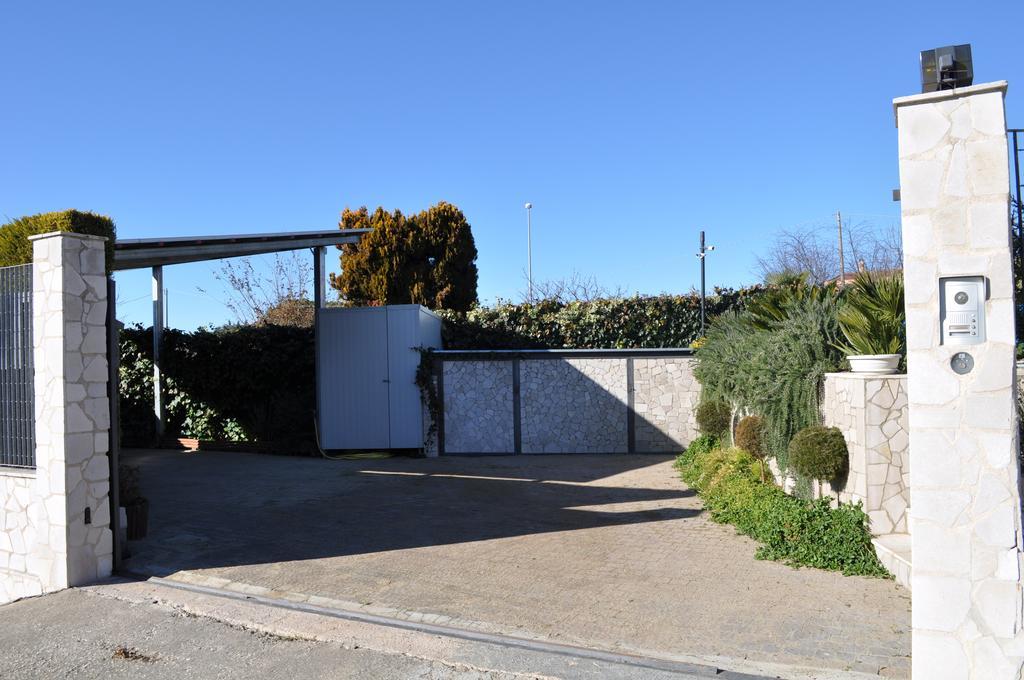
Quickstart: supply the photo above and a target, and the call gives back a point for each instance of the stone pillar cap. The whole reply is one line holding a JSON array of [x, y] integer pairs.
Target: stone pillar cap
[[53, 234], [940, 95]]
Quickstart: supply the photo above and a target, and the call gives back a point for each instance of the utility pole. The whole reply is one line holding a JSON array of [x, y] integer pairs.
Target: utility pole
[[529, 252], [702, 255], [842, 262]]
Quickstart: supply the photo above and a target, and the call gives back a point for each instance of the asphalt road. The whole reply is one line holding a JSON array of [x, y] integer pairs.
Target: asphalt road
[[143, 631]]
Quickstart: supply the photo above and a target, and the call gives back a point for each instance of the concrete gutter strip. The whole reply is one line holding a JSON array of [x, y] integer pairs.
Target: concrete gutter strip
[[532, 656]]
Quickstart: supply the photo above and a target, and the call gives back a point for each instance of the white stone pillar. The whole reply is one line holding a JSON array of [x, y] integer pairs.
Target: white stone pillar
[[964, 477], [71, 511]]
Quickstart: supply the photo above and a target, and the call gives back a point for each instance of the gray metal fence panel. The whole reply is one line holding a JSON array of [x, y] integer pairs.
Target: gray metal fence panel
[[17, 406]]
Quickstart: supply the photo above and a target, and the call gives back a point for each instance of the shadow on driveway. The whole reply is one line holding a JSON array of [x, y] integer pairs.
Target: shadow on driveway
[[212, 509]]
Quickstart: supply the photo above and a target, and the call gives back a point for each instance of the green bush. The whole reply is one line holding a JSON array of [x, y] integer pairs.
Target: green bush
[[790, 530], [714, 418], [819, 453], [15, 248], [750, 436], [633, 322]]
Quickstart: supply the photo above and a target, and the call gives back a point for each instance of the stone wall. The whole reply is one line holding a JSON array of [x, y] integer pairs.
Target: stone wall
[[567, 403], [478, 407], [574, 406], [18, 535], [56, 518], [871, 411], [665, 398]]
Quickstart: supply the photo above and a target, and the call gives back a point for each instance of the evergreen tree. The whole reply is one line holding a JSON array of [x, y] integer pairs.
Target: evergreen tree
[[427, 259]]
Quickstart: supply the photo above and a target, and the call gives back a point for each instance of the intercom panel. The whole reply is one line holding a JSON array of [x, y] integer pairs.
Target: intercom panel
[[962, 310]]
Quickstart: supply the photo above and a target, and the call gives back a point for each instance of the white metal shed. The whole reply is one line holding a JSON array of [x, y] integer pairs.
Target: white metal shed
[[366, 377]]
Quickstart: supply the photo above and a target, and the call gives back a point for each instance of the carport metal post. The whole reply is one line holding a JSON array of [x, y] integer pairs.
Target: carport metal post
[[113, 394], [158, 335], [319, 295]]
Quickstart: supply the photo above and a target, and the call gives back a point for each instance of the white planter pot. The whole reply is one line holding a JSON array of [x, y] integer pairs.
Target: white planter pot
[[874, 363]]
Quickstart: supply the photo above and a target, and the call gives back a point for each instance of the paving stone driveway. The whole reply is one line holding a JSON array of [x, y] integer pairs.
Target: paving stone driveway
[[607, 551]]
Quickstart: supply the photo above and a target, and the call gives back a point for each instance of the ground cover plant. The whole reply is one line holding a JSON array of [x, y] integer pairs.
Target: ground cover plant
[[792, 530]]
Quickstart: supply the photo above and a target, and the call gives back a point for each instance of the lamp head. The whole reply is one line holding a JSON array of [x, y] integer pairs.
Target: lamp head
[[529, 205]]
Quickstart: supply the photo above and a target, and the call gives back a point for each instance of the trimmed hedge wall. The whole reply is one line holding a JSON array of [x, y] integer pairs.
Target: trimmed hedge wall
[[633, 322], [239, 383], [15, 248]]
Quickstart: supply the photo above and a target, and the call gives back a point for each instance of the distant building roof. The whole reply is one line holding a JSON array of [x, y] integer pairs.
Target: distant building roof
[[849, 277]]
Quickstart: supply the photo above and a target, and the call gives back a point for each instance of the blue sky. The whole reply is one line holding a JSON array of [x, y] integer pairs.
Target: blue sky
[[629, 125]]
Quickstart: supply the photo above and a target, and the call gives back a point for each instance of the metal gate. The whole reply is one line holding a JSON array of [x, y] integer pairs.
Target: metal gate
[[1016, 143], [17, 417]]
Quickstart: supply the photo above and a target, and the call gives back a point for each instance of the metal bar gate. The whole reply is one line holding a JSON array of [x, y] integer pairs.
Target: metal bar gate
[[17, 406]]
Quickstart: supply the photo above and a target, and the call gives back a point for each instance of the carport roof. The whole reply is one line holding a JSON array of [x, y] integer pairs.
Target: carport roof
[[152, 252]]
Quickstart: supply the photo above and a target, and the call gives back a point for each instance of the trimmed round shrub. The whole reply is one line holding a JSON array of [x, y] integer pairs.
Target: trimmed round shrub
[[819, 452], [714, 418], [750, 436], [15, 248]]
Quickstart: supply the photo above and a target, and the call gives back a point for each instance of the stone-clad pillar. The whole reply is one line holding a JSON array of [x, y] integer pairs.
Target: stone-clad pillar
[[71, 511], [964, 476]]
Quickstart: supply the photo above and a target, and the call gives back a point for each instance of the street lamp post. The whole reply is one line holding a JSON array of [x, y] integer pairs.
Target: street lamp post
[[702, 255], [529, 252]]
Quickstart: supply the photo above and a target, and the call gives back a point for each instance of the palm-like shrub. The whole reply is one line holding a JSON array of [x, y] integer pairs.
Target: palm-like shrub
[[785, 293], [774, 371], [872, 317]]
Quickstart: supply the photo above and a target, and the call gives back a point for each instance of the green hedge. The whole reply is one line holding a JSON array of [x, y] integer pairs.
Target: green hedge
[[15, 248], [244, 383], [633, 322], [791, 530]]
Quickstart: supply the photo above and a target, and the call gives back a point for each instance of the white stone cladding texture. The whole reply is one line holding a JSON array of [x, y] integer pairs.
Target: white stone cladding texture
[[665, 398], [17, 535], [478, 407], [871, 411], [966, 514], [573, 405], [71, 412]]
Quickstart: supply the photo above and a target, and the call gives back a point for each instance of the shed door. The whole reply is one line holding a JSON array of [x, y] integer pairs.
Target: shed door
[[354, 378], [406, 407]]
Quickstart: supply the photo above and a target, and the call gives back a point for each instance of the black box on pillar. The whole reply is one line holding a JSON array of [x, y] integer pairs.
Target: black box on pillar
[[946, 68]]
